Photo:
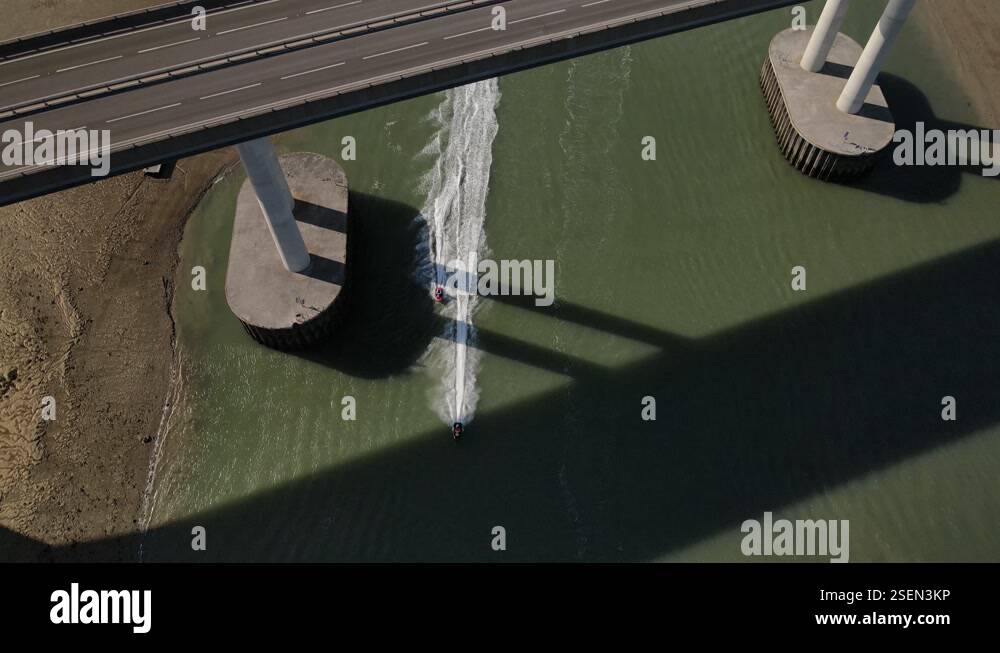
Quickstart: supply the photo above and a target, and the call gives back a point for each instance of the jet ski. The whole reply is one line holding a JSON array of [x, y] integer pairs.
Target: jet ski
[[456, 430], [439, 294]]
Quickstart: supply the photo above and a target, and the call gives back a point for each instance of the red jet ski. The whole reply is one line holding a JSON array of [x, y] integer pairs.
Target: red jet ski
[[456, 431], [439, 294]]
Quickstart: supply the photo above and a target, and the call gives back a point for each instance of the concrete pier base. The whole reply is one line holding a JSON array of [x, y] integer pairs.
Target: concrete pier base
[[279, 308], [814, 135]]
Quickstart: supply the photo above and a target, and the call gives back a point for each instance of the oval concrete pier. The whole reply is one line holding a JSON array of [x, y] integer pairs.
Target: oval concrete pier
[[814, 135], [279, 308]]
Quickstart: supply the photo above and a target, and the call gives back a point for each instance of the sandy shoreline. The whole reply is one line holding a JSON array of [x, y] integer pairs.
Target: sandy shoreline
[[85, 318], [965, 33], [85, 312]]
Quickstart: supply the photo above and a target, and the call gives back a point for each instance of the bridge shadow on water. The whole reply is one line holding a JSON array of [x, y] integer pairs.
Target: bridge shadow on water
[[750, 419]]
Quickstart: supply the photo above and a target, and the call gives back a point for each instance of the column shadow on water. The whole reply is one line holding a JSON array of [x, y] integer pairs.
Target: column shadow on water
[[753, 418], [921, 184], [388, 317]]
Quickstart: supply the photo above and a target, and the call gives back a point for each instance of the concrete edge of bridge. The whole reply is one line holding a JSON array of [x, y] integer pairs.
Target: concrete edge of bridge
[[180, 144], [233, 58]]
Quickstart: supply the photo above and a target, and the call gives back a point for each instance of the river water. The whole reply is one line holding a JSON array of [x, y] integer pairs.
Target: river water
[[672, 282]]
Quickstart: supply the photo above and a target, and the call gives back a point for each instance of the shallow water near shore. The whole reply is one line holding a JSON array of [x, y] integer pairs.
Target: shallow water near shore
[[672, 281]]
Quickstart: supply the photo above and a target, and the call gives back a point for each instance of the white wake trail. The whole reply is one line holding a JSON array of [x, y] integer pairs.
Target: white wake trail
[[455, 210]]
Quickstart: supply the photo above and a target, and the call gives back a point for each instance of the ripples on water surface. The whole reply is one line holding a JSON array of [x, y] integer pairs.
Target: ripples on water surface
[[672, 282]]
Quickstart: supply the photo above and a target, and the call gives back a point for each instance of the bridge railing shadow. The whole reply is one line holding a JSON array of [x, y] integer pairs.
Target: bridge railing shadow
[[753, 418]]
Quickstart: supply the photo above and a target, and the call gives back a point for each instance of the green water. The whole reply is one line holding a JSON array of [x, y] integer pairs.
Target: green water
[[673, 281]]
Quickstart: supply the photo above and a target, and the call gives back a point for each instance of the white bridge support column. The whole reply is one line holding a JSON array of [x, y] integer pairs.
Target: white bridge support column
[[872, 59], [825, 33], [276, 202]]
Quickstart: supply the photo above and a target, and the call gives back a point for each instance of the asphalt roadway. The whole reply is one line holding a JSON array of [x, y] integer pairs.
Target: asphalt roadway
[[157, 82]]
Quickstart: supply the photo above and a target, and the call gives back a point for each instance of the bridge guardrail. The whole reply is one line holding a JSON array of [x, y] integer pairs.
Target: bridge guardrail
[[236, 57], [292, 113], [106, 26]]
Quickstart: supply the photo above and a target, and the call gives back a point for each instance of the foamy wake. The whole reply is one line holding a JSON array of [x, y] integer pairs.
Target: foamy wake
[[455, 211]]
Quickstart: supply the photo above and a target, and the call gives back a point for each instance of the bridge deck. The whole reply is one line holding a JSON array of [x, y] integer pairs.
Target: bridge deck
[[177, 109]]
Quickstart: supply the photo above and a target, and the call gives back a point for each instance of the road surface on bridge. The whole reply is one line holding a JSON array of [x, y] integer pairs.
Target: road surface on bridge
[[432, 39]]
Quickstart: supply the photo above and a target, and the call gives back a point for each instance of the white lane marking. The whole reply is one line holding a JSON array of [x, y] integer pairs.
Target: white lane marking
[[352, 86], [240, 29], [92, 63], [242, 88], [220, 55], [45, 136], [170, 45], [183, 21], [523, 20], [475, 31], [53, 131], [514, 22], [21, 171], [17, 81], [594, 4], [142, 113], [346, 4], [314, 70], [246, 5], [409, 47]]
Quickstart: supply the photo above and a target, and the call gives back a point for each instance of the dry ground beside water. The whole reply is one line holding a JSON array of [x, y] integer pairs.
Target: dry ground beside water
[[85, 288], [967, 30]]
